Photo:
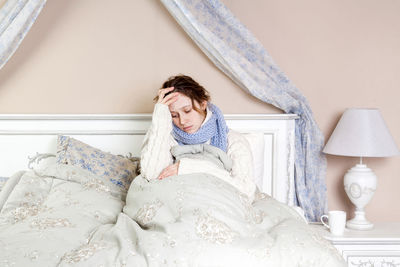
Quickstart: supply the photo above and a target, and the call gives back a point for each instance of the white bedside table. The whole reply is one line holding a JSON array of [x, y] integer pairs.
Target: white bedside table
[[379, 247]]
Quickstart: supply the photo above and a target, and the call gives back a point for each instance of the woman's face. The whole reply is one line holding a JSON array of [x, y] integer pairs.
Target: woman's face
[[184, 116]]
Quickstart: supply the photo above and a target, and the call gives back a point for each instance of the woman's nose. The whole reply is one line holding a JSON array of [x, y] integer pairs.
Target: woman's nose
[[183, 120]]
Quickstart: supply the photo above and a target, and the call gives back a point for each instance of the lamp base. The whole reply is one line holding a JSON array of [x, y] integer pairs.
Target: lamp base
[[360, 185], [359, 222]]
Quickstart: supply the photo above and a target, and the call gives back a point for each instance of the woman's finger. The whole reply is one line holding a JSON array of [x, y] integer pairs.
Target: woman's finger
[[169, 171], [168, 89], [169, 100], [172, 170], [162, 92], [164, 173], [170, 96], [165, 90]]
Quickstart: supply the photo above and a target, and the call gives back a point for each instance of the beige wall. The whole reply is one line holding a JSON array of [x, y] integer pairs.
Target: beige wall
[[88, 56]]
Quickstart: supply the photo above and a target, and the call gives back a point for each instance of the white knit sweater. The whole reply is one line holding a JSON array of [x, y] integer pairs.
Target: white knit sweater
[[156, 154]]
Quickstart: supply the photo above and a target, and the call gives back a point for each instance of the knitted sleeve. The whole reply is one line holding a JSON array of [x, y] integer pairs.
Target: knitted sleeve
[[242, 158], [155, 154]]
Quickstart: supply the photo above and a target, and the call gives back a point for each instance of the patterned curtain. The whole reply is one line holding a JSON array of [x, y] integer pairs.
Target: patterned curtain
[[16, 18], [237, 53]]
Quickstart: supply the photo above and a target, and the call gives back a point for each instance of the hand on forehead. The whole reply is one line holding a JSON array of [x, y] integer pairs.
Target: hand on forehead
[[181, 102]]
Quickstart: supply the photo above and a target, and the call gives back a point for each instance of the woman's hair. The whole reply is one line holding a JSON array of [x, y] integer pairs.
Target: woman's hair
[[187, 86]]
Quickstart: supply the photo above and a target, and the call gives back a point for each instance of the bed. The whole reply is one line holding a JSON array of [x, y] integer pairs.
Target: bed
[[71, 197]]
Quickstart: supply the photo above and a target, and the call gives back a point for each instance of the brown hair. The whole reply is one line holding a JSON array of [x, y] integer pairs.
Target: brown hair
[[187, 86]]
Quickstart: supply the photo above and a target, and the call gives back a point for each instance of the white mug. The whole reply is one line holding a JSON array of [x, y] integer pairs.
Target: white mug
[[337, 221]]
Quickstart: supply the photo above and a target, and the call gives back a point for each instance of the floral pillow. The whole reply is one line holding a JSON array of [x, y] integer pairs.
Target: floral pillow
[[115, 169]]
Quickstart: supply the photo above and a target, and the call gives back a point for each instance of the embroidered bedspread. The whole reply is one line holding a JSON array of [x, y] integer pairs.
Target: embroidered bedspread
[[50, 213], [65, 216], [200, 220]]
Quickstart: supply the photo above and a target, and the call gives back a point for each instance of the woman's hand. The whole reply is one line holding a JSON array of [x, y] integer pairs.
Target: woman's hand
[[169, 99], [169, 171]]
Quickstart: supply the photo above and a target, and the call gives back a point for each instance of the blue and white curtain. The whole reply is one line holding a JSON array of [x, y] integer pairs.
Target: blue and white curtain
[[16, 18], [236, 52]]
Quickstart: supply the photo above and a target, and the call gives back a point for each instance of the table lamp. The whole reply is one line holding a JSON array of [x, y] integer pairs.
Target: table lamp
[[361, 133]]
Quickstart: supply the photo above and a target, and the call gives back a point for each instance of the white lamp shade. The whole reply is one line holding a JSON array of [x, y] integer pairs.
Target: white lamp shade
[[361, 133]]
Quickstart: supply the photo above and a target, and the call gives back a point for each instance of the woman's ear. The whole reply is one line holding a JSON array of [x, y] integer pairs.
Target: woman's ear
[[203, 105]]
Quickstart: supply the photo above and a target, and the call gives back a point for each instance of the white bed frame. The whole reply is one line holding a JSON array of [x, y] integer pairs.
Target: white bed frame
[[22, 136]]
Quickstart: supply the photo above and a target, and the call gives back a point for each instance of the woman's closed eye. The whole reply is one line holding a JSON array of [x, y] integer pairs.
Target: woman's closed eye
[[175, 115]]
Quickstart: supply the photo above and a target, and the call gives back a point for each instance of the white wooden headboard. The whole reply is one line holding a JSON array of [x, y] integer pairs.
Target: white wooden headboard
[[23, 135]]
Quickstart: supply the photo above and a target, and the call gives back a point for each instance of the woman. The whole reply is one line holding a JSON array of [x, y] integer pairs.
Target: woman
[[184, 115]]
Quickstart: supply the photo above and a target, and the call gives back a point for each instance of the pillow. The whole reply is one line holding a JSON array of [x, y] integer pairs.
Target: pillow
[[117, 170], [41, 160], [257, 145]]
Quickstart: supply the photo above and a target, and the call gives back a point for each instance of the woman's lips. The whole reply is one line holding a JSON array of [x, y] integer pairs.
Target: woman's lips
[[187, 128]]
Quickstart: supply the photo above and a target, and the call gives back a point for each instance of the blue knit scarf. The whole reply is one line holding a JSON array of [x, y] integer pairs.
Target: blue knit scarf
[[215, 129]]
